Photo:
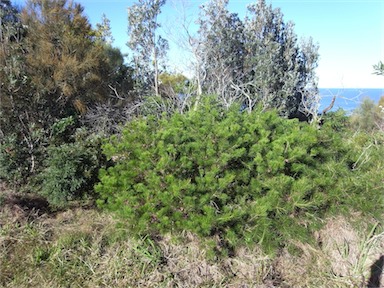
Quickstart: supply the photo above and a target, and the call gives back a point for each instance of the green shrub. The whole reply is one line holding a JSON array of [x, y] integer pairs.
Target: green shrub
[[22, 153], [71, 169], [249, 178], [60, 162]]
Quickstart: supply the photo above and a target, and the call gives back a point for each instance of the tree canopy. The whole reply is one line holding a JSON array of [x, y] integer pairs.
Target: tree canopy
[[258, 60], [65, 65]]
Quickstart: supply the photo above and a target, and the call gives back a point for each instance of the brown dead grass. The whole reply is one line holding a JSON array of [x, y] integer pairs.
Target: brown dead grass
[[342, 258]]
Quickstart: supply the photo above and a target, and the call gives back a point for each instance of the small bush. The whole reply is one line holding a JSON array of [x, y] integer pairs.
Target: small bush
[[71, 169], [249, 178]]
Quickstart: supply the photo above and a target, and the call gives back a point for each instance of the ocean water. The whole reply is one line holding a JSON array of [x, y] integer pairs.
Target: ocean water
[[347, 98]]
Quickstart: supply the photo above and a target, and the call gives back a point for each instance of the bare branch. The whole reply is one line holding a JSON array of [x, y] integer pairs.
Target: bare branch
[[330, 106], [115, 92]]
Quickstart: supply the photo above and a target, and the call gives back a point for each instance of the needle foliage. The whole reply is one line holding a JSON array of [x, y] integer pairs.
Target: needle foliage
[[245, 177]]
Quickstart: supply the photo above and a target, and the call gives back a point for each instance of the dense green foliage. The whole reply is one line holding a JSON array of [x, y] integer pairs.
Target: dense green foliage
[[22, 153], [245, 177], [66, 163], [71, 168]]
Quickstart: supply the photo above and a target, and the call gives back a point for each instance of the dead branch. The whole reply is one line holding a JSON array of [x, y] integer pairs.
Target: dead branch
[[330, 106]]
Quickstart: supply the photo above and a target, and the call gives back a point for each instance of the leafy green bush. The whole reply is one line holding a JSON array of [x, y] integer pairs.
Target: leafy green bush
[[71, 169], [251, 178], [22, 152], [60, 163]]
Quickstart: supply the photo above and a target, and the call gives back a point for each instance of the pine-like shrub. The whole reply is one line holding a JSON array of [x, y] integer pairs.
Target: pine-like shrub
[[251, 178], [365, 185]]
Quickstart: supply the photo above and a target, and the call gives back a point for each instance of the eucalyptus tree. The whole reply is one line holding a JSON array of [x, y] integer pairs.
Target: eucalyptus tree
[[11, 34], [280, 72], [103, 31], [119, 78], [307, 98], [257, 61], [221, 48], [270, 66], [9, 21], [149, 47]]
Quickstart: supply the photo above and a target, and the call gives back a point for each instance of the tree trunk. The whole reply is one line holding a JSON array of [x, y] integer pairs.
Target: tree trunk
[[156, 66]]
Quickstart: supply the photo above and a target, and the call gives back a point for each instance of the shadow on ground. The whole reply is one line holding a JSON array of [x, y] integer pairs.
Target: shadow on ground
[[376, 272]]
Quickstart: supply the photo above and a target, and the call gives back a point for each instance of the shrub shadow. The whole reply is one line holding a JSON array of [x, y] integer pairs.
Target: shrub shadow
[[376, 272], [28, 205]]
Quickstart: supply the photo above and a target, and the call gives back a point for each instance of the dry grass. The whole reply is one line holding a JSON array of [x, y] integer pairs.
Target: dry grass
[[85, 248], [343, 257]]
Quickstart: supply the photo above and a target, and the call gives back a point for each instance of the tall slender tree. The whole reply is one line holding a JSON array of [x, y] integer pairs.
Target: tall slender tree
[[149, 47], [271, 60], [103, 31], [13, 78], [222, 47]]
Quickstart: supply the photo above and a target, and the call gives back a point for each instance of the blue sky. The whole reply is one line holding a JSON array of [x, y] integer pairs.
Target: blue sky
[[350, 33]]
